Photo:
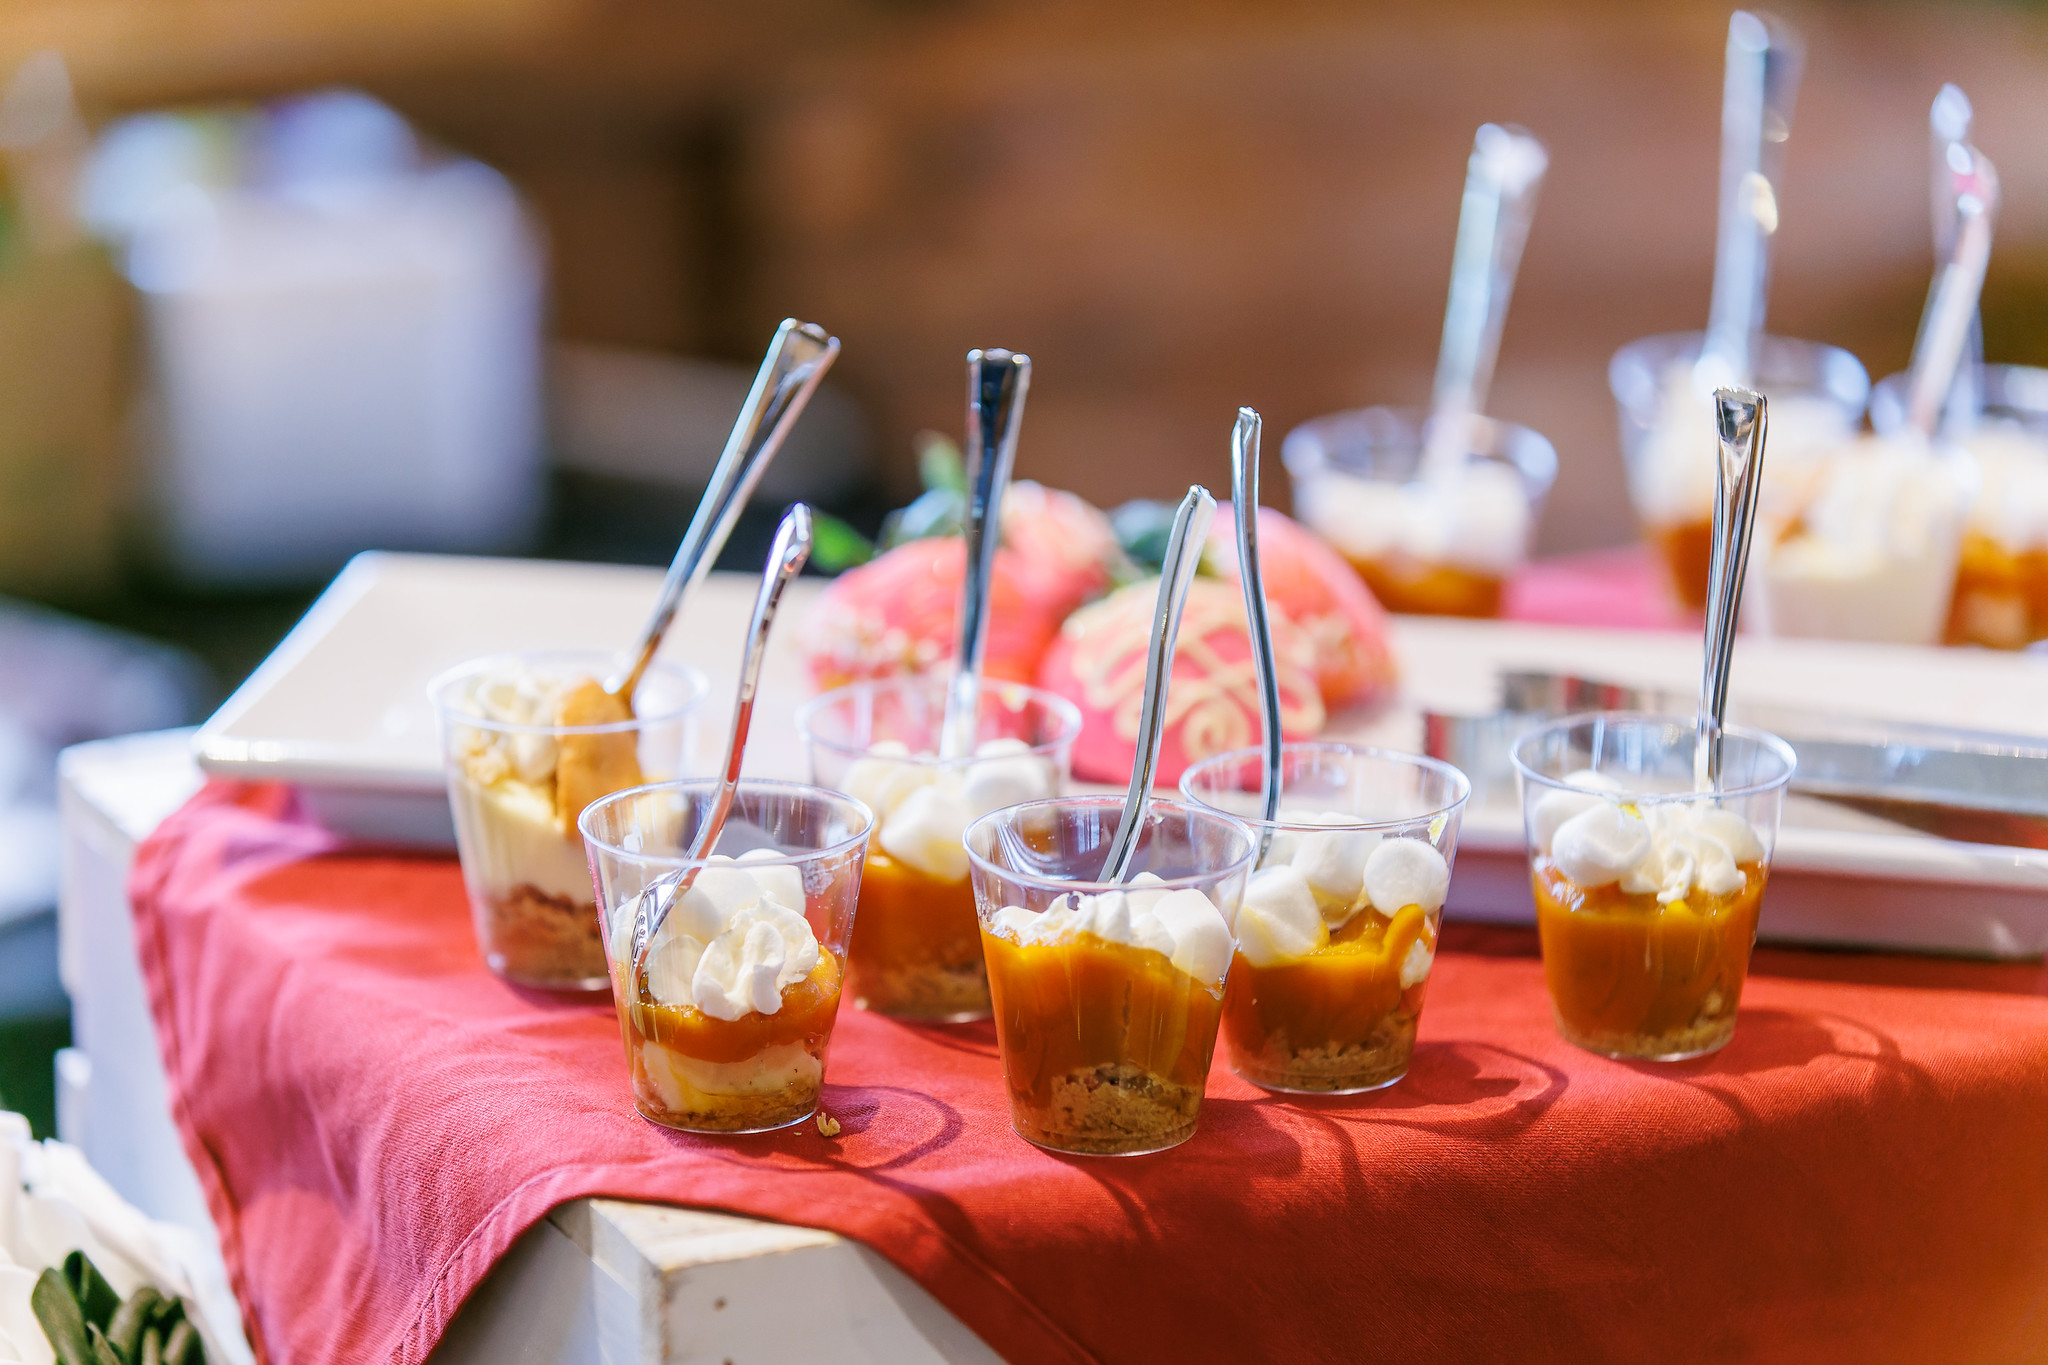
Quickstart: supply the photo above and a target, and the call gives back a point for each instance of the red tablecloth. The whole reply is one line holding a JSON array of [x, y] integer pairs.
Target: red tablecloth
[[1861, 1176]]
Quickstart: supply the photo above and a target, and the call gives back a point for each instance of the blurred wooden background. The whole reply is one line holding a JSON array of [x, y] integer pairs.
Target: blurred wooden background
[[1176, 208]]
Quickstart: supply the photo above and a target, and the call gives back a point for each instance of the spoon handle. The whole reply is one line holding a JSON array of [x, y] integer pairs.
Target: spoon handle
[[1501, 181], [1757, 95], [786, 559], [997, 381], [1945, 327], [1244, 498], [1176, 576], [1741, 419], [1948, 123], [797, 359]]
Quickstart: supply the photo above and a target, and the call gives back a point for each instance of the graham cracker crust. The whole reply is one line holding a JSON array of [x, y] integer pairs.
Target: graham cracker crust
[[1113, 1109], [538, 939]]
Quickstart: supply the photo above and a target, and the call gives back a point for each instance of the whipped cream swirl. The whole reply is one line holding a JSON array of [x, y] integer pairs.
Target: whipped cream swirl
[[1314, 882], [1183, 926], [1596, 837], [922, 808], [733, 942]]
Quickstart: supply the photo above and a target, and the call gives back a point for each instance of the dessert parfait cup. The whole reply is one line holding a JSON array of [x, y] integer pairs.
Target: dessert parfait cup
[[1438, 543], [529, 740], [727, 1024], [917, 947], [1106, 997], [1816, 392], [2001, 589], [1647, 892], [1338, 929]]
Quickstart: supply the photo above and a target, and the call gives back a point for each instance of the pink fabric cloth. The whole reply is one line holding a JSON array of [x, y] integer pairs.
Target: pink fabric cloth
[[1862, 1175]]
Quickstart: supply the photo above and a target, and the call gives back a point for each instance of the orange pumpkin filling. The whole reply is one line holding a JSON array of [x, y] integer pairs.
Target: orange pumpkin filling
[[1405, 584], [1338, 1019], [1685, 549], [1105, 1046], [916, 945], [2001, 596], [1633, 977], [692, 1070]]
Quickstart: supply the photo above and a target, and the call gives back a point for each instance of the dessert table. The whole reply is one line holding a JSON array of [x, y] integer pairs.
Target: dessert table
[[374, 1123]]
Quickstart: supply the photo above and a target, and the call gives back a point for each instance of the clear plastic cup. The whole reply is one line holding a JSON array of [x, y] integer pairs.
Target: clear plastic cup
[[1647, 892], [516, 787], [1339, 925], [1107, 998], [2001, 588], [727, 1025], [1816, 392], [917, 950], [1443, 545]]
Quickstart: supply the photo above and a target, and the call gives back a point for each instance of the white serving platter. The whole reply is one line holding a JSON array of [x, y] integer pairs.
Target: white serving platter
[[341, 710], [340, 707]]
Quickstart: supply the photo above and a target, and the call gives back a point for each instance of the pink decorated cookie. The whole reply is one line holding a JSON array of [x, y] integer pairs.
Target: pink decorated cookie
[[896, 613], [1098, 663], [1323, 596]]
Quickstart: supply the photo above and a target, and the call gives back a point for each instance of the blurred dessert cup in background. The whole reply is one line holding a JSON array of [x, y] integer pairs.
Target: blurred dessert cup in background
[[727, 1024], [1817, 395], [1870, 553], [1647, 892], [1107, 997], [1338, 929], [2001, 586], [530, 739], [917, 948], [1435, 539]]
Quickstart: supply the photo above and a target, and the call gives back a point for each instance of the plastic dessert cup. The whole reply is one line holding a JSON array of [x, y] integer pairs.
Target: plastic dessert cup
[[1107, 998], [726, 1029], [1338, 929], [1817, 394], [2001, 589], [1647, 893], [518, 779], [1444, 547], [917, 947]]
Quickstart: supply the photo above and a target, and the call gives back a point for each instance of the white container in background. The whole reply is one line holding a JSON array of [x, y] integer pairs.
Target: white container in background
[[344, 353]]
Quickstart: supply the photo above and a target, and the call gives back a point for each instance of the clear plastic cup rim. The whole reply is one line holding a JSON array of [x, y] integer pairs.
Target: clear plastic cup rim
[[1770, 743], [1462, 784], [696, 686], [679, 862], [1527, 451], [1193, 881], [1068, 713]]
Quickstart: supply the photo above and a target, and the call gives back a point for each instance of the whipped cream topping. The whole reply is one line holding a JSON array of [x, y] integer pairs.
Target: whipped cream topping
[[2012, 493], [1330, 877], [922, 809], [1873, 555], [1661, 848], [1672, 478], [734, 941], [1183, 926], [512, 696], [1477, 518]]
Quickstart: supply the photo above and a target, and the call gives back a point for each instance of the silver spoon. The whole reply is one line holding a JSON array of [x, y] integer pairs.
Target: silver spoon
[[1741, 419], [786, 559], [1501, 181], [1176, 575], [1757, 95], [797, 359], [1244, 498], [1948, 123], [997, 381], [1952, 304]]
